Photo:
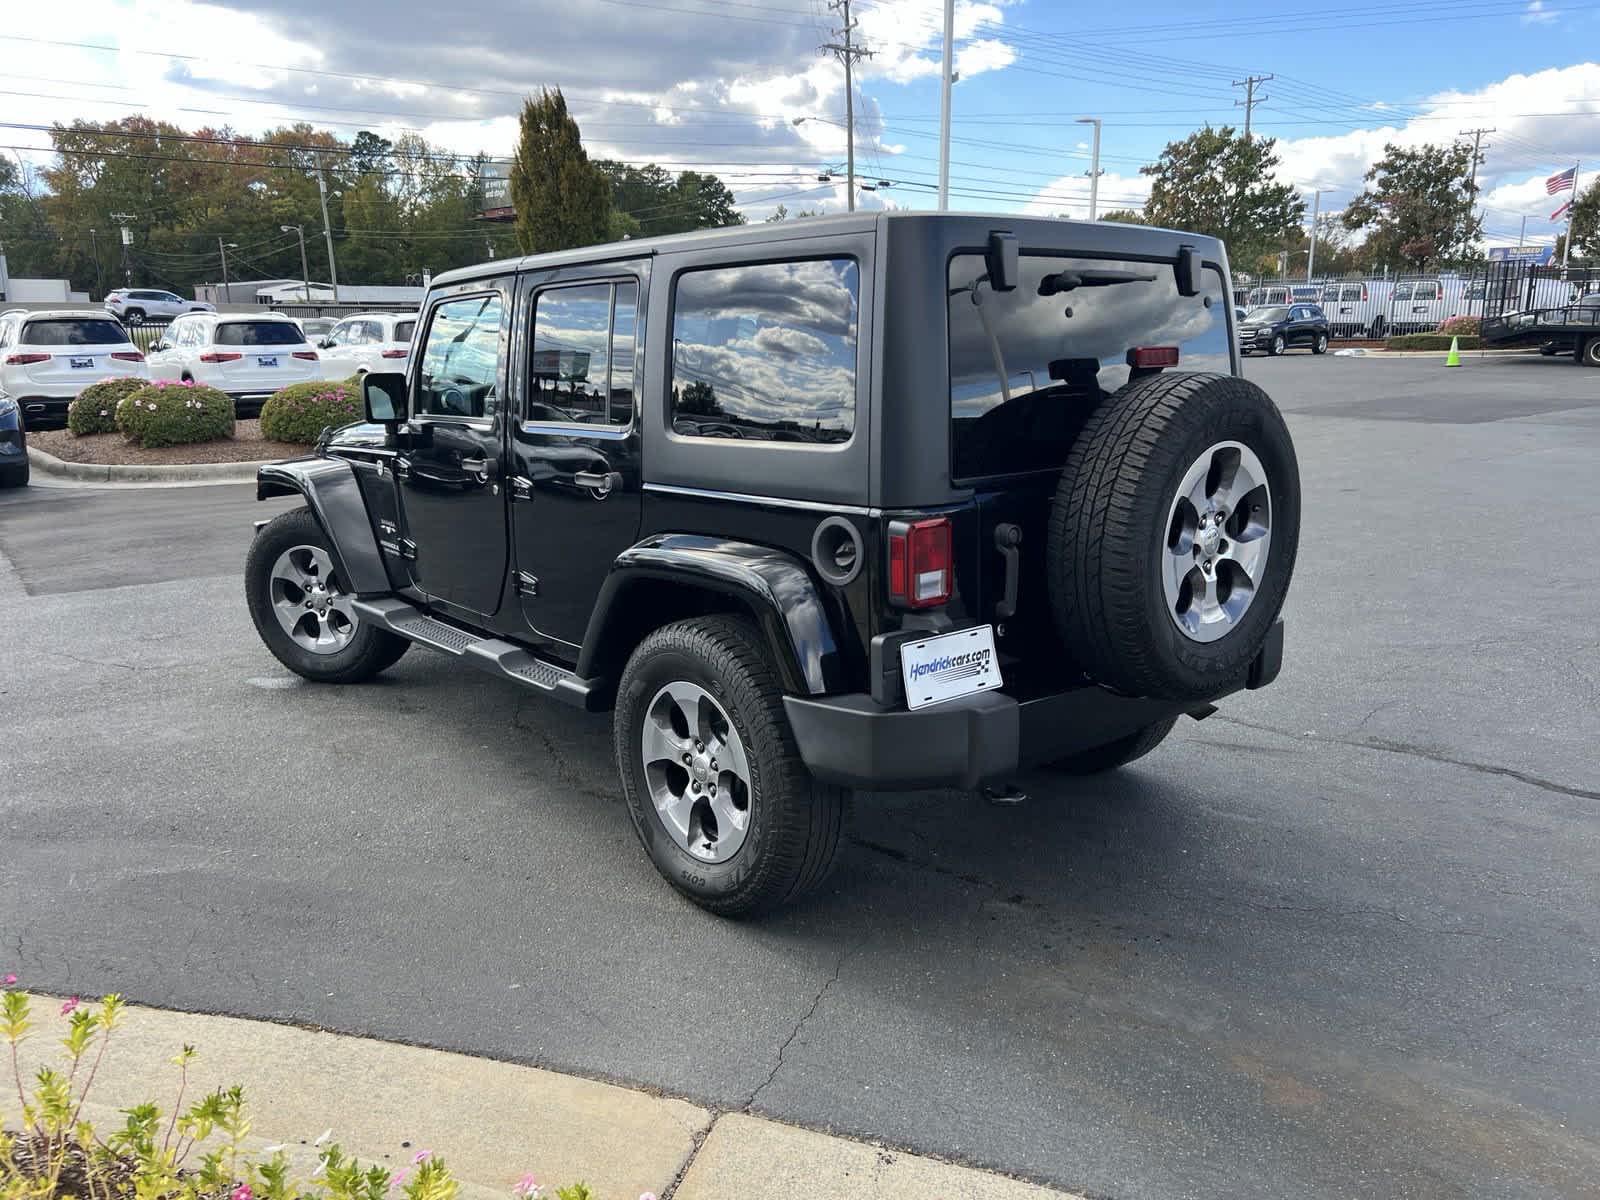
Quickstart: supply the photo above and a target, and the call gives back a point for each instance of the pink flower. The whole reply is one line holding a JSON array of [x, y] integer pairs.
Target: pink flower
[[422, 1156], [647, 1196], [398, 1178], [69, 1006], [243, 1192], [9, 980], [528, 1188]]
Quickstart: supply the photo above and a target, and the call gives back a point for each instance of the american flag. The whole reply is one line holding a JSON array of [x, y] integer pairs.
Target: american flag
[[1561, 182], [1561, 212]]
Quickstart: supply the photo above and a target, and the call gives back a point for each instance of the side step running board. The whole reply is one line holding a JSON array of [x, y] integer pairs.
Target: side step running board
[[489, 654]]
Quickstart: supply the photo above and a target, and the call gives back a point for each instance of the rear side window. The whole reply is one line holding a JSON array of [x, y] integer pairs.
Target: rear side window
[[403, 330], [583, 354], [258, 333], [766, 352], [1028, 366], [73, 331]]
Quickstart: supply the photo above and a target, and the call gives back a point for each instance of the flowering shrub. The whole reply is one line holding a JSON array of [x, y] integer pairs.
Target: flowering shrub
[[95, 409], [301, 411], [1461, 327], [165, 413], [50, 1151]]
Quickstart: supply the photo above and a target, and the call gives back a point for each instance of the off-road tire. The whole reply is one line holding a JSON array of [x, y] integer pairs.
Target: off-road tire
[[1589, 353], [1279, 345], [1115, 754], [1321, 344], [1108, 531], [370, 650], [15, 475], [795, 822]]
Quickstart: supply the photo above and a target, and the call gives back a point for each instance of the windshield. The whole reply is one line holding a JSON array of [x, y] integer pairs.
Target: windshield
[[1028, 366], [1402, 291], [73, 331], [259, 333], [1270, 314]]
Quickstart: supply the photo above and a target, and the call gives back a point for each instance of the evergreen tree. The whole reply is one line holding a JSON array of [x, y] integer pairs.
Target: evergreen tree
[[562, 199]]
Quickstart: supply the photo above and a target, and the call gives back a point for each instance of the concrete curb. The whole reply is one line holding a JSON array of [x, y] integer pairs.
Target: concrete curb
[[58, 468], [492, 1122]]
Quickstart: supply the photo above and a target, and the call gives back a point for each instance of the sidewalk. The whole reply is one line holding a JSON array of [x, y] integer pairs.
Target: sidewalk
[[494, 1122]]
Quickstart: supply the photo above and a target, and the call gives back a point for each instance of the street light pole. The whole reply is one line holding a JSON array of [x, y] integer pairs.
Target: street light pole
[[305, 271], [1094, 168], [945, 80]]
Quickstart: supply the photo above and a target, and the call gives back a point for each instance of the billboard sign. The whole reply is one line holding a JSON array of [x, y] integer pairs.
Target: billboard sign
[[1538, 255]]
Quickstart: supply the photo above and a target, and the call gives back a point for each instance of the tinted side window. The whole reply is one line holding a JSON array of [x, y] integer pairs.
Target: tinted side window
[[766, 352], [461, 359], [403, 330], [571, 376]]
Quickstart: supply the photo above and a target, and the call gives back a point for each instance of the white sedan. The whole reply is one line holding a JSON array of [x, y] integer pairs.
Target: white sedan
[[375, 341], [249, 356], [48, 357]]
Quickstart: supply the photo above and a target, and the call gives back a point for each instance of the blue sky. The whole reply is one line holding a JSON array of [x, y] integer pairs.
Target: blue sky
[[720, 83]]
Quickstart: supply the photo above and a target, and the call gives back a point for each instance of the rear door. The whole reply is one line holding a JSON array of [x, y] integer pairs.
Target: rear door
[[263, 356], [76, 351], [338, 359], [452, 504], [576, 448]]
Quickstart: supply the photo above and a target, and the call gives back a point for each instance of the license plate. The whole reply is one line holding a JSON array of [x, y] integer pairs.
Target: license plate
[[80, 363], [269, 361], [950, 665]]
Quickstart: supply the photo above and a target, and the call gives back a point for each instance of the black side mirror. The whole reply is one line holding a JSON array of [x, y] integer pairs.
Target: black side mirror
[[1001, 258], [1187, 270], [383, 396], [325, 344], [163, 344]]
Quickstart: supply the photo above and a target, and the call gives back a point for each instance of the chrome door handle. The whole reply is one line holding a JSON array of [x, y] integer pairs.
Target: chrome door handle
[[476, 466], [603, 482]]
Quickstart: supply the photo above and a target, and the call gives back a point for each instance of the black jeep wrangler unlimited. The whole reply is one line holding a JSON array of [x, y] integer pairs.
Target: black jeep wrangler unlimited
[[880, 501]]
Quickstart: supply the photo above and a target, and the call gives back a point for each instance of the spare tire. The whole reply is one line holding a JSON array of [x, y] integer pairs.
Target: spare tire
[[1173, 535]]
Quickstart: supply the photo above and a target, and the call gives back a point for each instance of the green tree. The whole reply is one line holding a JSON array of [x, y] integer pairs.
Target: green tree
[[1216, 182], [1124, 216], [1417, 207], [1585, 224], [562, 199], [659, 204]]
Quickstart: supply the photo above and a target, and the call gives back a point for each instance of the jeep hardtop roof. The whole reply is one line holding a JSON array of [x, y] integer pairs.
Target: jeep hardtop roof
[[1082, 235]]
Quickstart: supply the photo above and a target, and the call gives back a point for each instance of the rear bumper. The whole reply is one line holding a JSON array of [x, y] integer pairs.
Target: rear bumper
[[854, 741]]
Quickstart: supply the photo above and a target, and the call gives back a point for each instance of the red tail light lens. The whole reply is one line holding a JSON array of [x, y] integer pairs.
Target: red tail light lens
[[127, 356], [1147, 357], [920, 570], [220, 356], [22, 360], [395, 353], [308, 355]]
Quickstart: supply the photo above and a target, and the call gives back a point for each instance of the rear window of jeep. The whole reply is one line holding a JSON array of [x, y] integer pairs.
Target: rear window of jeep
[[1028, 366]]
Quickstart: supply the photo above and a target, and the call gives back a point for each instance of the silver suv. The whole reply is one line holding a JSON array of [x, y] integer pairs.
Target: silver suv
[[135, 305]]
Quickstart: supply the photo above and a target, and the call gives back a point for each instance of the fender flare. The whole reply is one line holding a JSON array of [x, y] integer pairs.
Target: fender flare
[[333, 492], [774, 585]]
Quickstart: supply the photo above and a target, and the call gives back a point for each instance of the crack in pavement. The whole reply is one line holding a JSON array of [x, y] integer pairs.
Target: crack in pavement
[[795, 1032], [1411, 751]]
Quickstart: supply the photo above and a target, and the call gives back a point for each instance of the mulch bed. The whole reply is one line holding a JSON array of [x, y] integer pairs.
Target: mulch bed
[[246, 445]]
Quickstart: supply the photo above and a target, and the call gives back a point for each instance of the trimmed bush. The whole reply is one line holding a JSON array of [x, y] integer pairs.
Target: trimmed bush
[[166, 413], [301, 411], [1461, 326], [1430, 341], [95, 409]]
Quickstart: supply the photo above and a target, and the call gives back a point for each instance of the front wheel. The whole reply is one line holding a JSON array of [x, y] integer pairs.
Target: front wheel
[[303, 610], [714, 784], [1118, 753], [1321, 346], [1278, 346]]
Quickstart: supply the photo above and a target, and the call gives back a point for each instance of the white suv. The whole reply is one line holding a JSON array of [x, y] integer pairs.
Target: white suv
[[249, 356], [136, 305], [376, 341], [48, 356]]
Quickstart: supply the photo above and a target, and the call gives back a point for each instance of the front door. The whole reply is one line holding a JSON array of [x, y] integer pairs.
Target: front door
[[452, 501], [575, 452]]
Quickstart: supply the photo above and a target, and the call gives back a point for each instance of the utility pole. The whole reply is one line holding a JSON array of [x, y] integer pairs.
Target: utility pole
[[1472, 167], [1248, 83], [222, 249], [122, 220], [847, 52], [1094, 168], [305, 271], [327, 230], [1316, 211], [945, 80], [94, 243]]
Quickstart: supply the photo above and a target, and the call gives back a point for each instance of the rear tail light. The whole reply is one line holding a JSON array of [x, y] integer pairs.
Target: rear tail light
[[22, 360], [1148, 357], [220, 356], [395, 353], [308, 355], [920, 571], [127, 356]]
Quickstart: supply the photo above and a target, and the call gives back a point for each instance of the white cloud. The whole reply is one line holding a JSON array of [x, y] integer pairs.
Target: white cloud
[[907, 38], [1537, 14], [1068, 196]]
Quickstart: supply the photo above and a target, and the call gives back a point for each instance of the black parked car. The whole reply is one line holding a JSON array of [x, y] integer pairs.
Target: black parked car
[[872, 501], [1279, 329], [13, 444]]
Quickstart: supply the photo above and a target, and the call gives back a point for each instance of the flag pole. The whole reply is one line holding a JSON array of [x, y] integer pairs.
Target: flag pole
[[1566, 246]]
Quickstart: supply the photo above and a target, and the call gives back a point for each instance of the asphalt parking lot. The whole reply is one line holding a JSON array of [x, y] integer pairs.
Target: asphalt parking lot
[[1338, 940]]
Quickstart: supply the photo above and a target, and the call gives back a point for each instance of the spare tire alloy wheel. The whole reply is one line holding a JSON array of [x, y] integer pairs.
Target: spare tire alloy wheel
[[309, 603], [697, 772], [1219, 534]]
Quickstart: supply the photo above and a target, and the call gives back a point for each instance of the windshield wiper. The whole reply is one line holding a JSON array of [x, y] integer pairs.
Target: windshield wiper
[[1066, 281]]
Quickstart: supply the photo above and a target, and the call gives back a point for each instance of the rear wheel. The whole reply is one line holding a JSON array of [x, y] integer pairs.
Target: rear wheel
[[1118, 753], [725, 809], [1173, 535], [302, 609], [134, 316], [1589, 355]]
